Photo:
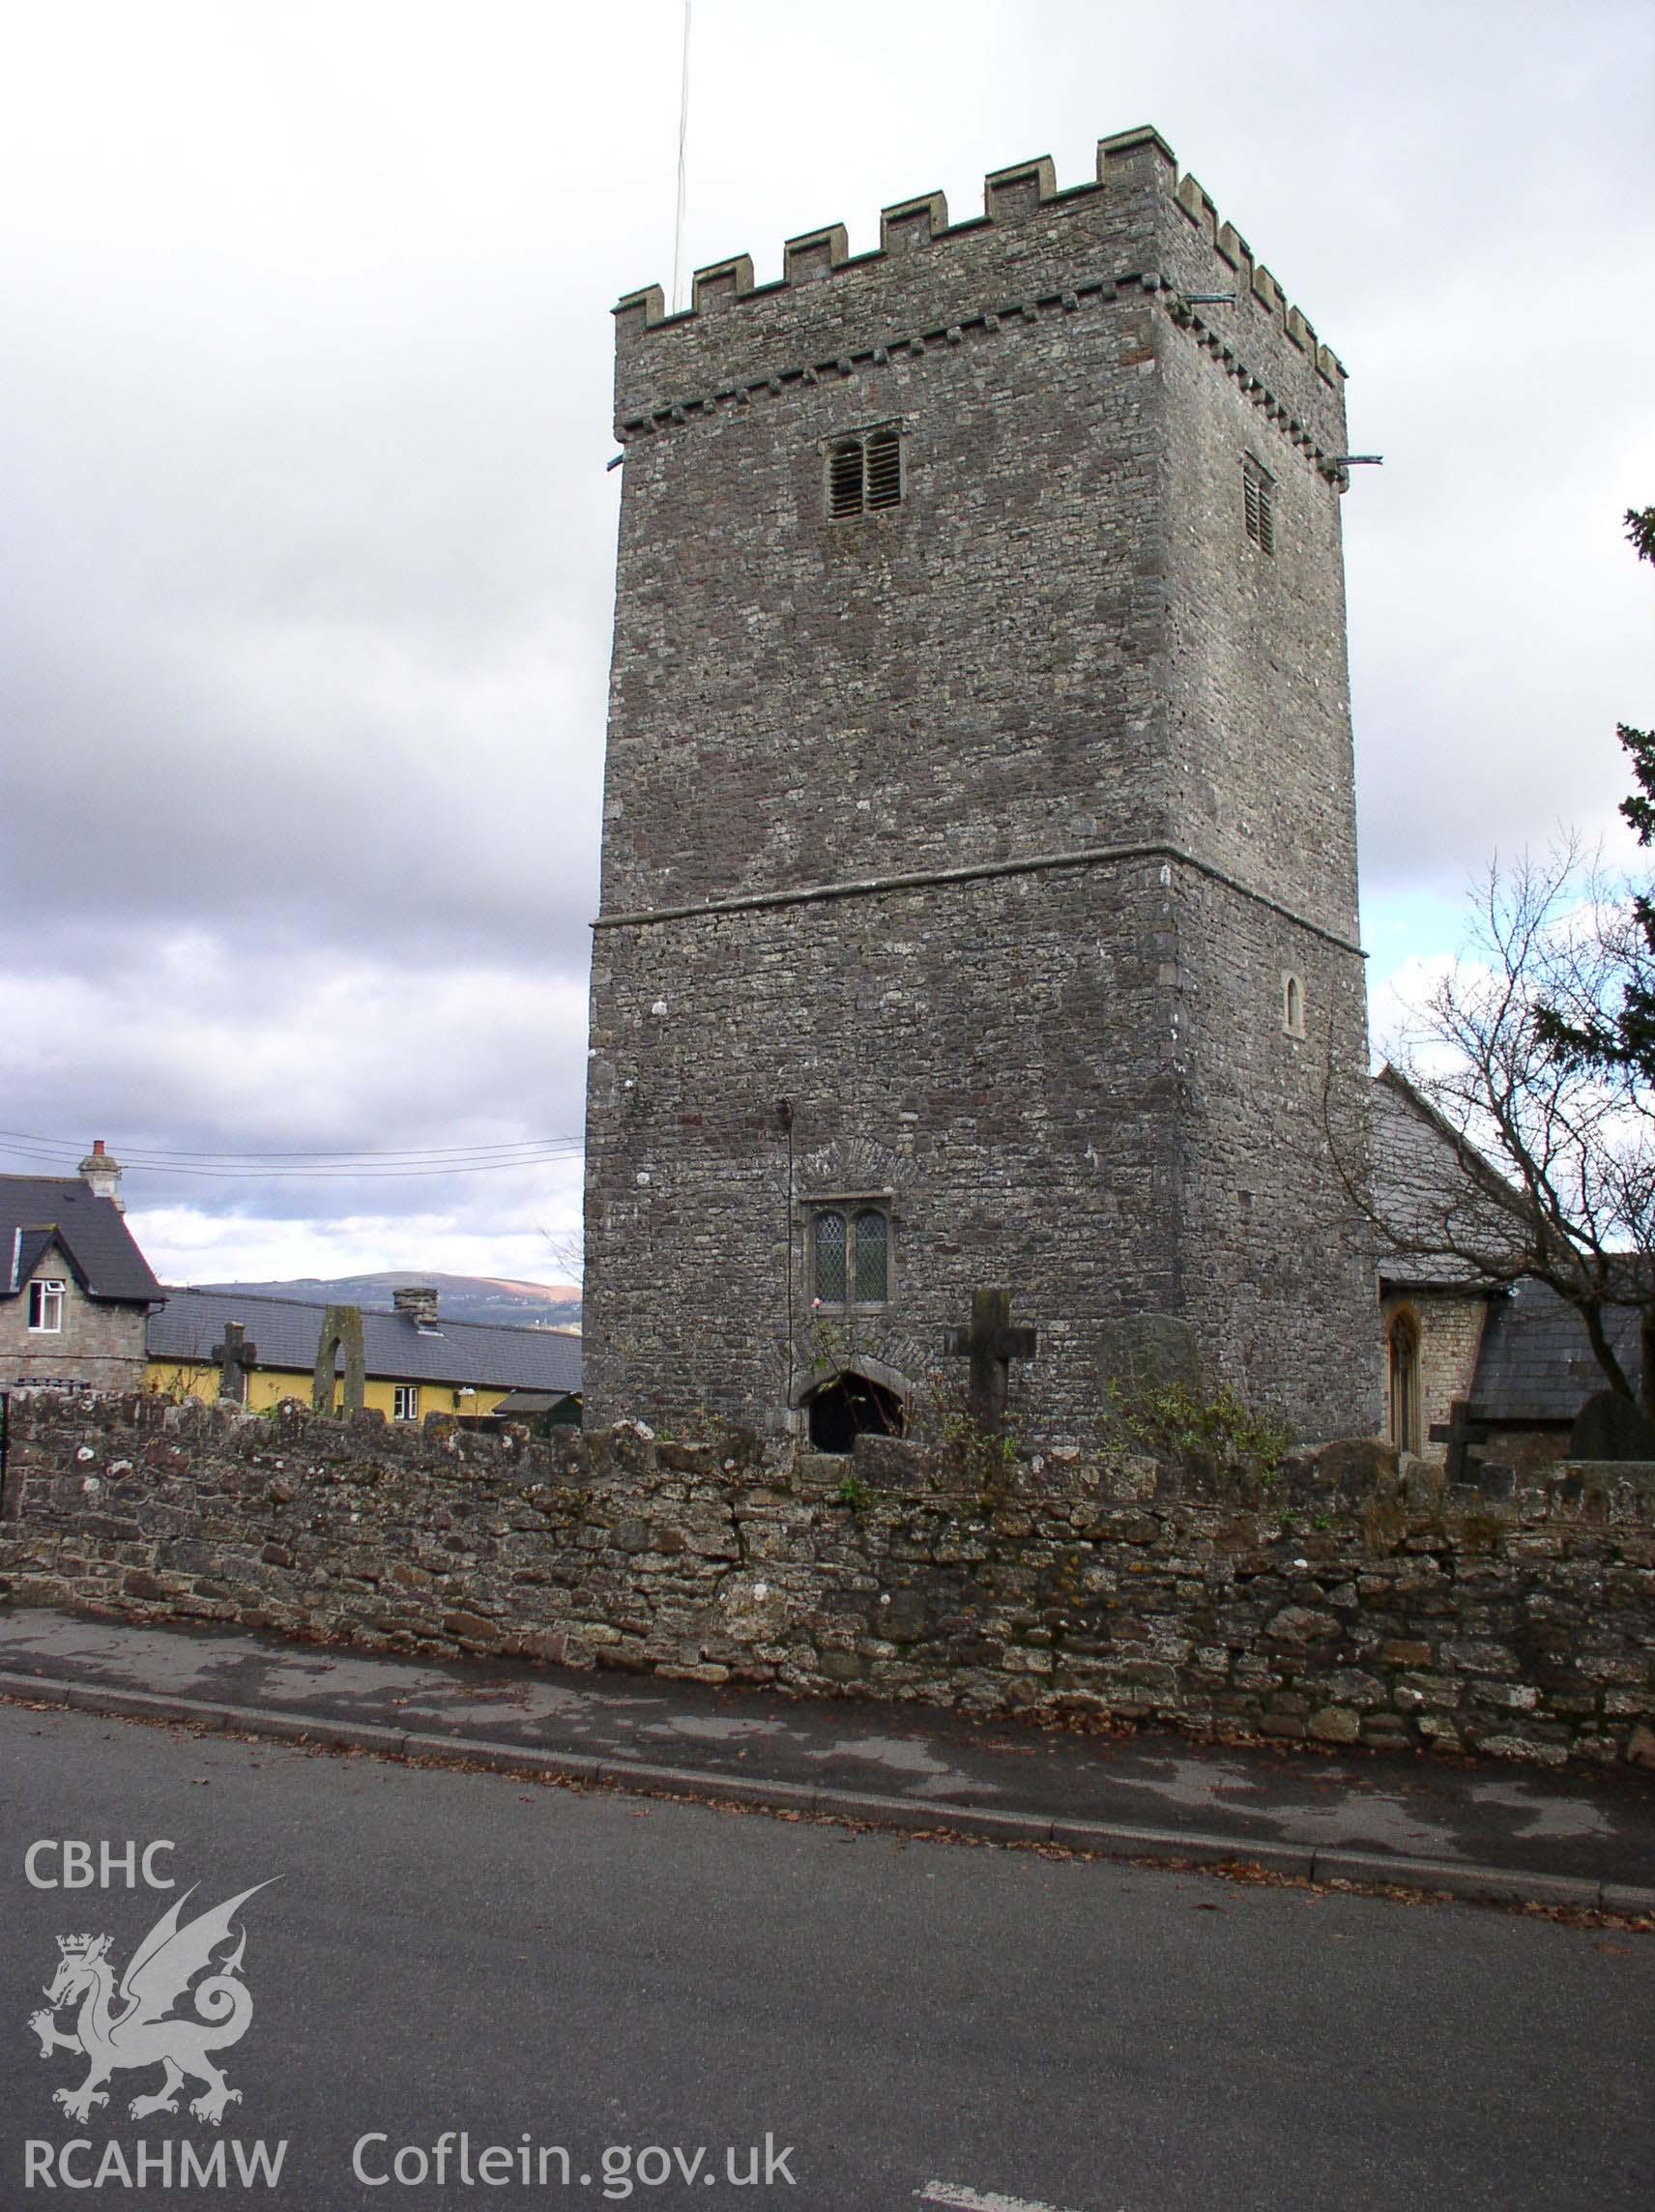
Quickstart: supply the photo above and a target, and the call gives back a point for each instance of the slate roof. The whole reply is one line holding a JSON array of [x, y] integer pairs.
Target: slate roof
[[526, 1403], [1535, 1364], [284, 1332], [37, 1211], [1429, 1187]]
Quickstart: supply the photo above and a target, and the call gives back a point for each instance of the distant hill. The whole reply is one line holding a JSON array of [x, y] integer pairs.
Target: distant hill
[[460, 1298]]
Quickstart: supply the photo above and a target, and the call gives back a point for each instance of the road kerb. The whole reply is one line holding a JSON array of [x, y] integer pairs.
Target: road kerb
[[922, 1816], [647, 1778], [1365, 1870], [93, 1698], [499, 1757], [1111, 1840], [1480, 1884], [308, 1728], [1628, 1901]]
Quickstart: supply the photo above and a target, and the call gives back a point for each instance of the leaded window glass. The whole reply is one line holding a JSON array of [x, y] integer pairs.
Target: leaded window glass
[[850, 1255], [1405, 1382], [831, 1275], [872, 1251]]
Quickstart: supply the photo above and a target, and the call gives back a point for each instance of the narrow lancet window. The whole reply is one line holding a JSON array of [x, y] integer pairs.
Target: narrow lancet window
[[1405, 1424]]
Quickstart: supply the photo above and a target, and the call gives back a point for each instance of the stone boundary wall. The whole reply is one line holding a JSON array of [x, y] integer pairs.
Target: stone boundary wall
[[1339, 1604]]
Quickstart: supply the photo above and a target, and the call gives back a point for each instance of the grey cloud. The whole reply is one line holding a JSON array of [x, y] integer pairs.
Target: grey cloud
[[306, 543]]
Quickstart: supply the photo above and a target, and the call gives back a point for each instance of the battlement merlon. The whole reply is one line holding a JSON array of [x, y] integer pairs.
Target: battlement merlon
[[1139, 217]]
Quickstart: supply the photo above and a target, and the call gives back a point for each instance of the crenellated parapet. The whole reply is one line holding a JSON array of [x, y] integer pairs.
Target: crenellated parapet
[[1139, 231], [1137, 162], [1252, 277]]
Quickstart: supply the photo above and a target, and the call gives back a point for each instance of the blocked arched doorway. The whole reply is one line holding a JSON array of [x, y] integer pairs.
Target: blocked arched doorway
[[849, 1405]]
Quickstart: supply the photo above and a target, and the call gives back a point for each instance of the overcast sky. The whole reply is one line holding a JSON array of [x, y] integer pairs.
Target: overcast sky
[[306, 538]]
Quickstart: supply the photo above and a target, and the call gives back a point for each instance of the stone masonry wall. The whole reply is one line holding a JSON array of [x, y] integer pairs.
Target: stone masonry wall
[[1019, 1154], [1450, 1335], [101, 1343], [1328, 1605], [1024, 1152], [1275, 1265], [954, 853]]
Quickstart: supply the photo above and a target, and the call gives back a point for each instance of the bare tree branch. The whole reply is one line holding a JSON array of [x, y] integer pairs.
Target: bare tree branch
[[1546, 1161]]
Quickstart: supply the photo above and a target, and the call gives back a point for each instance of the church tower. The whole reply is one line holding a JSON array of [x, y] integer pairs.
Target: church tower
[[979, 868]]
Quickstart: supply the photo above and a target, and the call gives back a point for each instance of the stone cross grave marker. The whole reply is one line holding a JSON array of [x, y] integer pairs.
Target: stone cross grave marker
[[990, 1344], [234, 1358]]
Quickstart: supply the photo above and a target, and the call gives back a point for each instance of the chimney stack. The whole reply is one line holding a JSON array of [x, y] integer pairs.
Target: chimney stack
[[103, 1174], [419, 1301]]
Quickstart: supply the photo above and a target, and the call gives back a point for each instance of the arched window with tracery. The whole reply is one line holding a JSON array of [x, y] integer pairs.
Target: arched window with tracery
[[1405, 1421]]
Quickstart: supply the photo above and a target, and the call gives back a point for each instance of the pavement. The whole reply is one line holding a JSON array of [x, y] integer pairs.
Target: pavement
[[1458, 1827]]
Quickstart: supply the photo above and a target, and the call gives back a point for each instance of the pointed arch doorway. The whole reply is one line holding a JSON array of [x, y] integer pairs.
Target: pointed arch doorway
[[847, 1406]]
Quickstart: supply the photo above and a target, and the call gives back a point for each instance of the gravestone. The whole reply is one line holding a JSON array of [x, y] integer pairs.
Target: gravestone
[[234, 1358], [1142, 1353], [990, 1344], [1609, 1426]]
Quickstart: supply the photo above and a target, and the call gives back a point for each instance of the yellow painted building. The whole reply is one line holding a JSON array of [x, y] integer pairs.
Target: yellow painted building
[[415, 1362]]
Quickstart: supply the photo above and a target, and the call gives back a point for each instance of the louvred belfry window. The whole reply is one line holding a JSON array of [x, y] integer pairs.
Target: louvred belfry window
[[881, 468], [1258, 499], [864, 473]]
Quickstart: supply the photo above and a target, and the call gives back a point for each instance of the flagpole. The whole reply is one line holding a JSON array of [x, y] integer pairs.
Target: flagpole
[[678, 299]]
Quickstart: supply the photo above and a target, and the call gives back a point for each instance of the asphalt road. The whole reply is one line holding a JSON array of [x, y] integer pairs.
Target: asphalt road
[[1296, 1809], [632, 1983]]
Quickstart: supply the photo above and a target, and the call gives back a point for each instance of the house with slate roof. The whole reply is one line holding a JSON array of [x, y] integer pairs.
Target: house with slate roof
[[75, 1291], [414, 1361], [1479, 1370], [1430, 1193], [1537, 1392]]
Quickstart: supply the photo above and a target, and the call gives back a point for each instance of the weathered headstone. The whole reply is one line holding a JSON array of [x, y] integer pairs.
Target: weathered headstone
[[1609, 1426], [990, 1344], [234, 1358], [1141, 1353], [341, 1335]]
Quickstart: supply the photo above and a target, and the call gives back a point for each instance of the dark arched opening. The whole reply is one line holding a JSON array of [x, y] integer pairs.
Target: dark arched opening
[[851, 1406]]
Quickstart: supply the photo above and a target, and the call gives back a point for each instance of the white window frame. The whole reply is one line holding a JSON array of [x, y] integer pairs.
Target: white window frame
[[405, 1402], [46, 1299]]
